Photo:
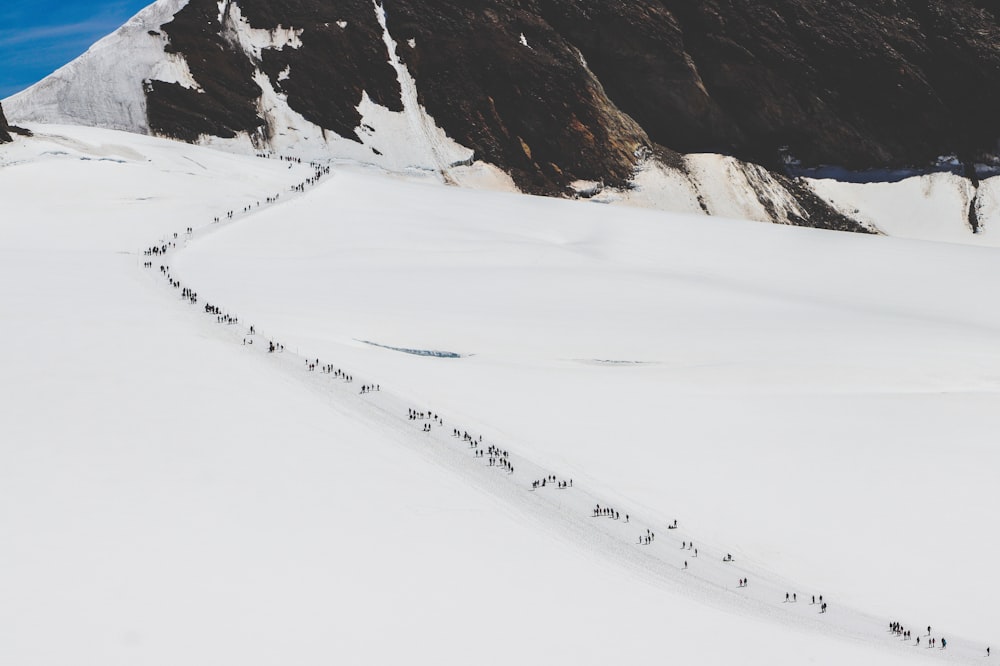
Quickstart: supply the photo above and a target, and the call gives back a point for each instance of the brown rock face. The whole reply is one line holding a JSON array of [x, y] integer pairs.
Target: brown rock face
[[860, 84], [867, 84], [4, 129], [535, 109]]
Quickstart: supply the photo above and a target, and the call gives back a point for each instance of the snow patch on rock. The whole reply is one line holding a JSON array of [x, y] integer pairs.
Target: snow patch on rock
[[175, 69], [656, 186], [426, 136], [730, 188], [989, 210], [386, 142], [254, 41], [708, 184], [586, 189]]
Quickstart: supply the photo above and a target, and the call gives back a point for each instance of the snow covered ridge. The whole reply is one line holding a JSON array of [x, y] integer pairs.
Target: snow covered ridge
[[544, 99]]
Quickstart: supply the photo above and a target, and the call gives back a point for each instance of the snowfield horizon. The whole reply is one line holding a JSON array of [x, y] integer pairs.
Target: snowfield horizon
[[817, 410]]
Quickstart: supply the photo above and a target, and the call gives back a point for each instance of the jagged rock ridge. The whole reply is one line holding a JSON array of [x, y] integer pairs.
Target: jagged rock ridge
[[4, 128]]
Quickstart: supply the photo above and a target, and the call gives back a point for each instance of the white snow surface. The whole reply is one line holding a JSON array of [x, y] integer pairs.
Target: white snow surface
[[714, 184], [822, 404], [931, 207], [168, 495]]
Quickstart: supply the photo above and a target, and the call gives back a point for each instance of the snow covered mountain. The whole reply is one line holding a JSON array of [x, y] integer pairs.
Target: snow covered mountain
[[712, 107]]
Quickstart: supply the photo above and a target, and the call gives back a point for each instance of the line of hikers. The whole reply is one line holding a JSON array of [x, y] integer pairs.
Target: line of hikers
[[495, 456]]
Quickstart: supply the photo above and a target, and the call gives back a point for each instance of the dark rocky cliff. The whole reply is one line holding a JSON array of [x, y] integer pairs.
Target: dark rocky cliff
[[861, 85], [4, 128]]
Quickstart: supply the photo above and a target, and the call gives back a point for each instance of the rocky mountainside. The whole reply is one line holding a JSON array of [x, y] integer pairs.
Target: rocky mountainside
[[4, 129], [568, 96]]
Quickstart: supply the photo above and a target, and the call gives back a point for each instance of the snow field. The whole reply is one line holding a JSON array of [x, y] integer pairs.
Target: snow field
[[819, 404], [169, 495]]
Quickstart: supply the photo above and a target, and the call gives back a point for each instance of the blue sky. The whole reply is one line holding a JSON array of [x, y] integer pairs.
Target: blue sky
[[39, 36]]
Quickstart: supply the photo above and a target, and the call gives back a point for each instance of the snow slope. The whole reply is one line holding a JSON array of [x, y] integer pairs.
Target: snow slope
[[824, 404], [931, 207], [711, 184], [168, 495]]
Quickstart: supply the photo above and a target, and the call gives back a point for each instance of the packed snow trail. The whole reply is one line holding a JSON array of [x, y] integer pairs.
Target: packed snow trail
[[662, 551]]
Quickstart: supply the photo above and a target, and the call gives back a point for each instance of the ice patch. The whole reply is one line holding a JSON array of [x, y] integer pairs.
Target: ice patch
[[415, 352], [611, 362]]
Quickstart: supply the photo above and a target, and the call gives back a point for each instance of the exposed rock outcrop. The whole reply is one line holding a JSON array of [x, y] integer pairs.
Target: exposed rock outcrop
[[4, 129]]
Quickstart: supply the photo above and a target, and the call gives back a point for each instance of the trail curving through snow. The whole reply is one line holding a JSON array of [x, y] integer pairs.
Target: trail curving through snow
[[669, 560]]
